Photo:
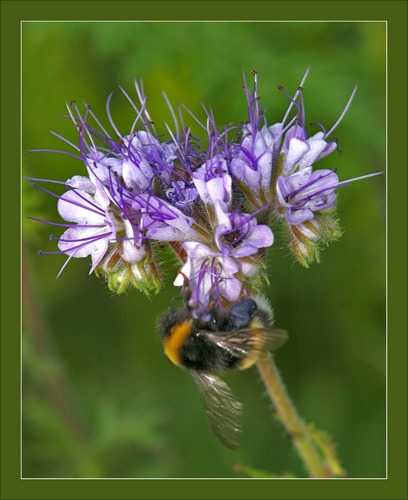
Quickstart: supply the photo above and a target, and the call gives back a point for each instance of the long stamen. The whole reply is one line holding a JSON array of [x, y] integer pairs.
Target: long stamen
[[193, 116], [50, 223], [142, 99], [344, 112], [64, 265], [87, 239], [173, 114], [310, 183], [99, 124], [64, 139], [98, 211], [108, 113], [67, 153], [51, 181], [346, 183], [293, 100]]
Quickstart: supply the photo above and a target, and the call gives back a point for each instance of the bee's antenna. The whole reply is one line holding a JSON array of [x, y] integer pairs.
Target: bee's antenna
[[173, 300]]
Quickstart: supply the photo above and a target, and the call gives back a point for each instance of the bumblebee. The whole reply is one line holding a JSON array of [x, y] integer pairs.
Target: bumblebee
[[234, 339]]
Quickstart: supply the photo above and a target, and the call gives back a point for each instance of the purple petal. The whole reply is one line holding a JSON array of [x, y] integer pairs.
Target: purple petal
[[299, 215], [261, 237], [230, 288]]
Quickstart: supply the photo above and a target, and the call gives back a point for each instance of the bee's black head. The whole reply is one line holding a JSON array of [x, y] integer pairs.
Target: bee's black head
[[170, 319]]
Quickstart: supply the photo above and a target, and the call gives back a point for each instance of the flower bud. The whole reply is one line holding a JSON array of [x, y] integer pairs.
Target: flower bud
[[120, 275], [307, 237]]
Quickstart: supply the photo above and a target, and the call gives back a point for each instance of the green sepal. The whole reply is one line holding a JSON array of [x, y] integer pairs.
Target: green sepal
[[120, 275], [307, 238]]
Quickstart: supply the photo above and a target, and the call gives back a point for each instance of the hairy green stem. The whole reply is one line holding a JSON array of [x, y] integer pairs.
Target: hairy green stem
[[294, 425]]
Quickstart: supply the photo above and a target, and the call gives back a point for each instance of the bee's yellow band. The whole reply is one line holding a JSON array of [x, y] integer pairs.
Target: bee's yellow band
[[175, 340], [257, 340]]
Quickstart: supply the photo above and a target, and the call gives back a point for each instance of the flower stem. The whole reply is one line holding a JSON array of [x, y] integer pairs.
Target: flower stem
[[287, 413]]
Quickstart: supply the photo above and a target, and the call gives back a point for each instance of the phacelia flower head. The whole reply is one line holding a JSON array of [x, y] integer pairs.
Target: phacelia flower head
[[211, 201]]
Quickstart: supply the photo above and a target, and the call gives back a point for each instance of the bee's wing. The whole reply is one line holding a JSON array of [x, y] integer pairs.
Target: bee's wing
[[274, 338], [246, 341], [222, 408]]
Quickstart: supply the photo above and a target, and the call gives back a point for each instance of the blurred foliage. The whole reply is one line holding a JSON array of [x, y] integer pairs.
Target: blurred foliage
[[99, 397]]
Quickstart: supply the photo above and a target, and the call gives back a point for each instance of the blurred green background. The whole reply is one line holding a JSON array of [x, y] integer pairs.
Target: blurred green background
[[99, 397]]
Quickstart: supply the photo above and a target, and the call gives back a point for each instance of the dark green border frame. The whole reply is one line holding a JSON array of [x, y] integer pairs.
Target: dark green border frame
[[395, 13]]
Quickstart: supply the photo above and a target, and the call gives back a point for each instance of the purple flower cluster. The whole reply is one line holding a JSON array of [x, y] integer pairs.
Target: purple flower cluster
[[211, 201]]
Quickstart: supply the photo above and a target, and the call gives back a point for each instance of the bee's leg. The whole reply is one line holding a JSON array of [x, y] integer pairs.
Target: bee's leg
[[241, 313], [218, 316], [186, 291]]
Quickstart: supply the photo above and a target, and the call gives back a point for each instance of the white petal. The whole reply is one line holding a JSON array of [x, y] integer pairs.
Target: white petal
[[98, 253], [132, 253], [197, 250], [81, 182], [296, 150], [139, 175], [316, 148], [80, 242], [78, 206]]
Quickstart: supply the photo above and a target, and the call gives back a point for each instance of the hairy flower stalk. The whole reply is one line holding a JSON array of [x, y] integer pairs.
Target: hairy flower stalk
[[212, 201]]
